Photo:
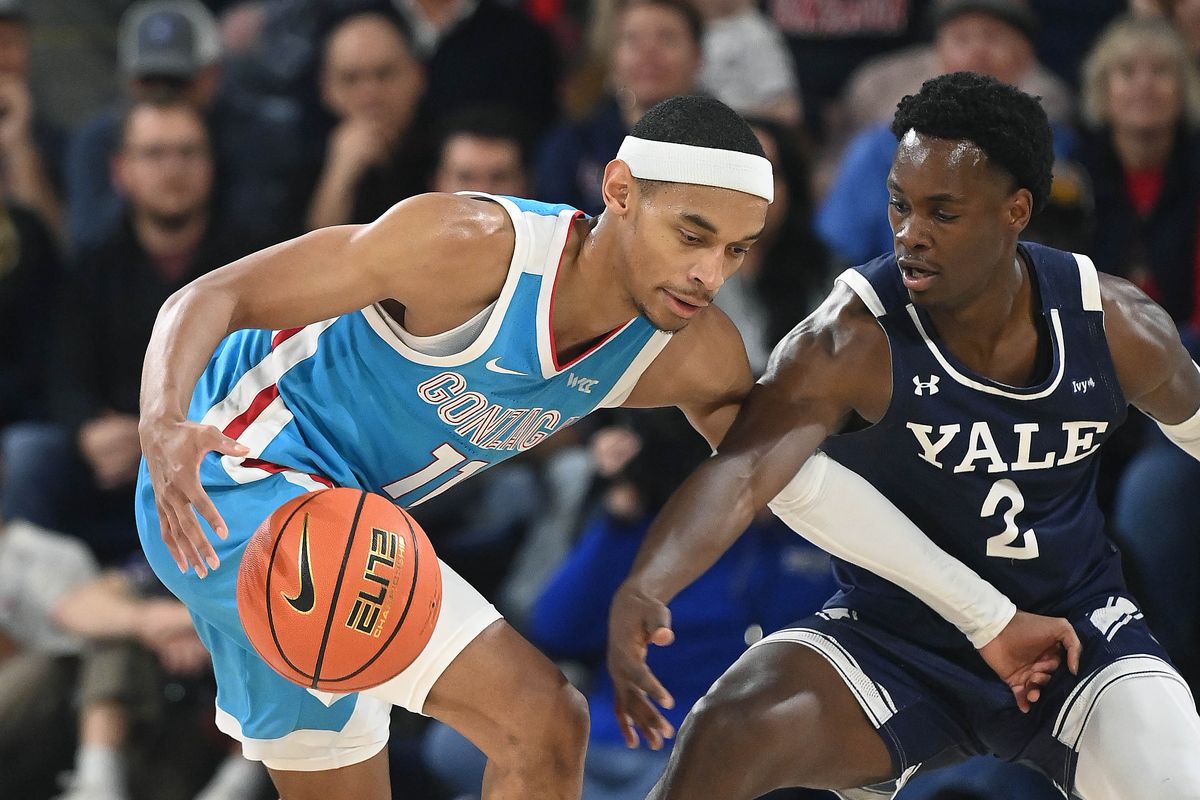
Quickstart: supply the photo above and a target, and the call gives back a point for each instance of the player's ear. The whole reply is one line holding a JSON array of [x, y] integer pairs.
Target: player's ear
[[1020, 209], [618, 187]]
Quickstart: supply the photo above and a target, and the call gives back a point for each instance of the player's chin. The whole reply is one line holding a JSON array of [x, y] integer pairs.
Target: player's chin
[[662, 319]]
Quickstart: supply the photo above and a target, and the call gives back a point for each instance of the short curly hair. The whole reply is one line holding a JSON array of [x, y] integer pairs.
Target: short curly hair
[[1008, 125]]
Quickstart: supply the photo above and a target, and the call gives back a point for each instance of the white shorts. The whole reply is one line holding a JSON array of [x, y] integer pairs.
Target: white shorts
[[465, 613]]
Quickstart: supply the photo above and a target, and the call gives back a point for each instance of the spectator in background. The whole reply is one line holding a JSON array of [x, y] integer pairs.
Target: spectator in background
[[30, 275], [372, 84], [655, 55], [1065, 35], [993, 37], [747, 64], [79, 476], [483, 51], [770, 577], [1185, 16], [111, 638], [31, 149], [830, 38], [173, 47], [484, 150], [1141, 99]]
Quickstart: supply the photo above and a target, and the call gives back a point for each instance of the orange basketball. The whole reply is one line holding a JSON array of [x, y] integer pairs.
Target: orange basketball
[[339, 590]]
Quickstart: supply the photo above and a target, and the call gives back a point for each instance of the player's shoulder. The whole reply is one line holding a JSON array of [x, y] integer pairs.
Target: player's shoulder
[[448, 220], [443, 238], [1130, 314], [1142, 338], [705, 360], [842, 329]]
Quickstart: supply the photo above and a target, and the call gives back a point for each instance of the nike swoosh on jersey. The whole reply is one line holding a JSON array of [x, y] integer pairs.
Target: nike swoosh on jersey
[[306, 597], [494, 366]]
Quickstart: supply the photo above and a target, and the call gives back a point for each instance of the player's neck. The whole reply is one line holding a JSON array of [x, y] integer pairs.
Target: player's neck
[[587, 303], [979, 327]]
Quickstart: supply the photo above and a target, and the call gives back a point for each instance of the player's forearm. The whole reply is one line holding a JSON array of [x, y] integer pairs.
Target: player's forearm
[[843, 514], [189, 327], [1185, 435], [694, 529]]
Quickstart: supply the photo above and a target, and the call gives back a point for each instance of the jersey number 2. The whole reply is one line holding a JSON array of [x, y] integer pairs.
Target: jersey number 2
[[1001, 545]]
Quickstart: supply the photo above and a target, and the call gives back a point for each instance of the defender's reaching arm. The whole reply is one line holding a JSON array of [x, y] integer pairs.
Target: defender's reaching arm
[[834, 365]]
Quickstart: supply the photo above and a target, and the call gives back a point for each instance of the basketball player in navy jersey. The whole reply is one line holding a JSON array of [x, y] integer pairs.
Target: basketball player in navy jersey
[[403, 356], [971, 379]]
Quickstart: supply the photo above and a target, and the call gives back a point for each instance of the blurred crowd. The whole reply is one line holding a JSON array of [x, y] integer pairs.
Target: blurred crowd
[[145, 143]]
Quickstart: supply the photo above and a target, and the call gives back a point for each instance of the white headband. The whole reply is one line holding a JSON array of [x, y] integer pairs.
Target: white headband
[[707, 166]]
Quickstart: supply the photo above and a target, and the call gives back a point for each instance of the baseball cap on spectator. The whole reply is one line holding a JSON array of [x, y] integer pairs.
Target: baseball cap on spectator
[[167, 38], [1016, 13], [13, 10]]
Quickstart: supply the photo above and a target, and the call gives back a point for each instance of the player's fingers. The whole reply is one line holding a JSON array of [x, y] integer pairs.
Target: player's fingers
[[1070, 641], [636, 716], [1039, 678], [192, 496], [225, 445], [166, 530], [1046, 665], [653, 726], [205, 508], [197, 547], [625, 724], [662, 636], [649, 684], [1021, 696]]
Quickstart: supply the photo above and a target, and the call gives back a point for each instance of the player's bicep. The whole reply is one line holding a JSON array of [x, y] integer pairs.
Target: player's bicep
[[1156, 373], [336, 270], [703, 371]]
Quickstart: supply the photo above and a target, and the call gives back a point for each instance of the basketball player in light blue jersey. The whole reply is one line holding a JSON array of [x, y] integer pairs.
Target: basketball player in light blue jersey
[[971, 379], [404, 356]]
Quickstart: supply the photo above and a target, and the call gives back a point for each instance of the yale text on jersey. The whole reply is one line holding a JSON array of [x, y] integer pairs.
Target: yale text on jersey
[[976, 448]]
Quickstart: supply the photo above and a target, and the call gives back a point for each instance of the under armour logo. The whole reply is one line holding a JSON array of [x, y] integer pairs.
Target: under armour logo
[[925, 387], [1114, 615]]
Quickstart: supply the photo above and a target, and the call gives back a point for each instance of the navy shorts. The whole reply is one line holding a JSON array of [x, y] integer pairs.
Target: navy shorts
[[937, 705]]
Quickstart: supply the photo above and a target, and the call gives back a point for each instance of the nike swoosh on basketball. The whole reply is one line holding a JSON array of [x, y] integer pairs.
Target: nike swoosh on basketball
[[494, 366], [306, 598]]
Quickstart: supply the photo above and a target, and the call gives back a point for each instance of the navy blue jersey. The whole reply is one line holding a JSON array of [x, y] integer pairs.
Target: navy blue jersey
[[1001, 477]]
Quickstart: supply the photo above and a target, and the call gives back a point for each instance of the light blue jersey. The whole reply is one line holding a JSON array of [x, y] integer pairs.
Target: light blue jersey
[[353, 400], [358, 401]]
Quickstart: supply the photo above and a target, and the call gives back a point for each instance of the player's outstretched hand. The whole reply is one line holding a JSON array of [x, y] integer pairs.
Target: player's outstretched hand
[[1028, 651], [634, 623], [173, 451]]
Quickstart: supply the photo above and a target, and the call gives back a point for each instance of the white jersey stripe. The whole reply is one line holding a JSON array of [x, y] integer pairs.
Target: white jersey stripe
[[265, 373], [1089, 283], [865, 291], [1055, 323], [633, 373]]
